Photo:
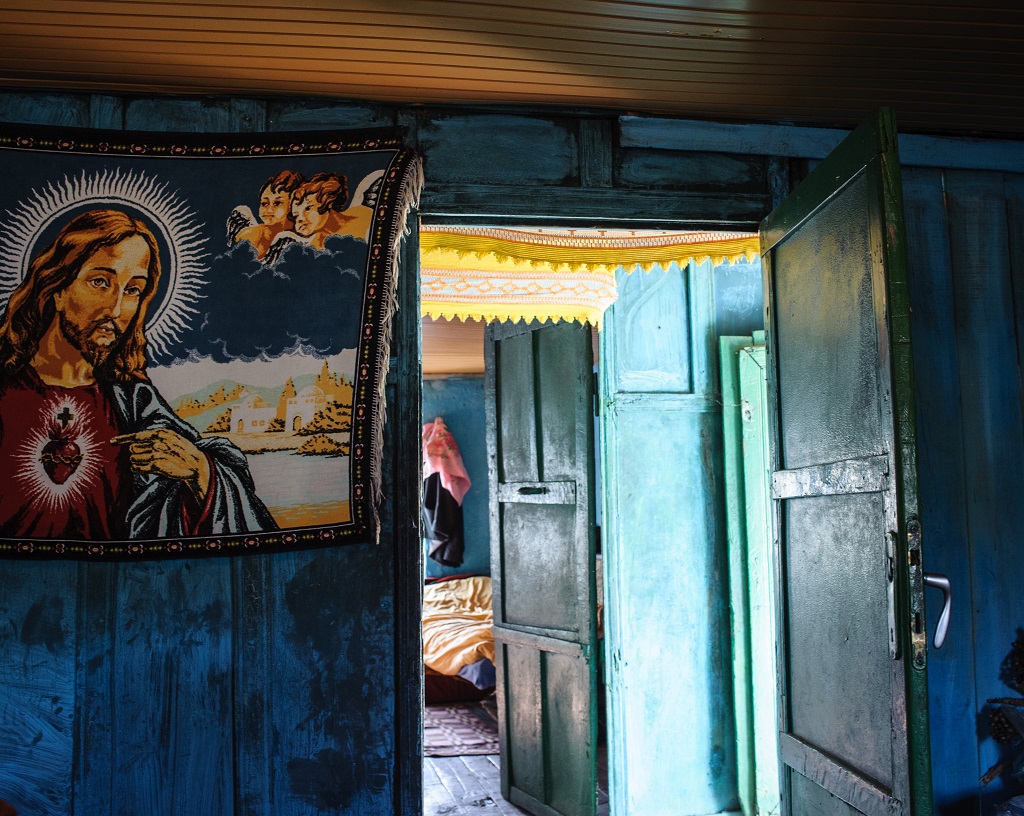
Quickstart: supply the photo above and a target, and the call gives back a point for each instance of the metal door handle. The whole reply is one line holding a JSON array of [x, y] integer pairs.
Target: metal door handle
[[532, 491], [937, 581]]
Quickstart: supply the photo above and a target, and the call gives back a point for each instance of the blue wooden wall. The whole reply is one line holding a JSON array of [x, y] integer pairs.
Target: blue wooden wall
[[255, 686], [289, 684], [965, 234], [460, 401]]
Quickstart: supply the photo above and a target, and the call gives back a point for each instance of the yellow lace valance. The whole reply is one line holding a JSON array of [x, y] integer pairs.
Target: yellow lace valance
[[519, 274]]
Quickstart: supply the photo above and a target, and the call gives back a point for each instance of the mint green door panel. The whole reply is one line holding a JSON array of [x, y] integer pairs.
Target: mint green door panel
[[853, 693], [729, 349], [540, 395], [751, 574], [760, 574]]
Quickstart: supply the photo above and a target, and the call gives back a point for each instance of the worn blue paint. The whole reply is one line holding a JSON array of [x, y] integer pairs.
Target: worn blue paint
[[320, 114], [990, 400], [951, 670], [739, 296], [644, 168], [970, 449], [245, 686], [500, 149], [69, 110], [814, 143], [671, 735], [460, 402], [182, 115], [172, 687], [37, 686]]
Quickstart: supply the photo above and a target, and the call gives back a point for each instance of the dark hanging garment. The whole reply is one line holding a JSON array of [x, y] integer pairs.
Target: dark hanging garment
[[445, 483], [442, 523]]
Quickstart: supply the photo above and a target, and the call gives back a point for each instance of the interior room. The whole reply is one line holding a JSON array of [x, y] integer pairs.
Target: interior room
[[454, 400], [798, 461]]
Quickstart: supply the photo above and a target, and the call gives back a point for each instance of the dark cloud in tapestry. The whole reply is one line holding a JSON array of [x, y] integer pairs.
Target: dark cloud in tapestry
[[240, 314]]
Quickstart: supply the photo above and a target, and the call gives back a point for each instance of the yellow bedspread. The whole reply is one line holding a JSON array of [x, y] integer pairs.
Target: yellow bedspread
[[457, 620]]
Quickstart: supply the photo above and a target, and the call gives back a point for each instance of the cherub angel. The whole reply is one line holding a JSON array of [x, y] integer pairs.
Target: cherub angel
[[318, 212], [275, 213]]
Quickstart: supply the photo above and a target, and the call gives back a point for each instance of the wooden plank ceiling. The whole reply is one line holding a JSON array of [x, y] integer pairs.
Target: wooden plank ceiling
[[944, 67]]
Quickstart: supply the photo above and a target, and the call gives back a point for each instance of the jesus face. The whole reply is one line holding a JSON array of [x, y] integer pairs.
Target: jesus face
[[96, 308]]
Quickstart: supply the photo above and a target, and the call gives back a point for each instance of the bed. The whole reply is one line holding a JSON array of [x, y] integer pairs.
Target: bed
[[458, 641]]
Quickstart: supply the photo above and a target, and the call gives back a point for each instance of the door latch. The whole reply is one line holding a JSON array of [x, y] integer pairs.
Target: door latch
[[937, 581]]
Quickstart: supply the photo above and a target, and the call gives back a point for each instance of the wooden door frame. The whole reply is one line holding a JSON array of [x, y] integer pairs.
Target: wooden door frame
[[459, 205]]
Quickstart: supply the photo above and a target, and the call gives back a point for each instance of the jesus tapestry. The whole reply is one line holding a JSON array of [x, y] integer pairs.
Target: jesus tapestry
[[194, 339]]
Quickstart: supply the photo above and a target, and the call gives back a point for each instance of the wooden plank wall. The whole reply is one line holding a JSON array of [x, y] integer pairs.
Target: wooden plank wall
[[262, 685], [965, 235], [460, 402], [289, 684]]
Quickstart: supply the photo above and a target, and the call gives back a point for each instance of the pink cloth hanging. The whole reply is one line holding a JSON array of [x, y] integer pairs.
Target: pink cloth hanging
[[441, 455]]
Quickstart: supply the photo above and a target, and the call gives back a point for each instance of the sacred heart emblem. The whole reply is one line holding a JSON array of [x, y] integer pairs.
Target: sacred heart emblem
[[61, 456]]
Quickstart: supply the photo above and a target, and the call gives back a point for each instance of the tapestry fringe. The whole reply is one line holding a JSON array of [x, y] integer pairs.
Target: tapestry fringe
[[408, 203]]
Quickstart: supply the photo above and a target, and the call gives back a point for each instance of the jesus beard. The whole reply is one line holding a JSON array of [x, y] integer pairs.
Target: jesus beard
[[81, 337]]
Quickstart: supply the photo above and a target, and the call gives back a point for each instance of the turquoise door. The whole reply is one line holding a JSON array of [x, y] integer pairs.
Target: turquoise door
[[853, 722], [541, 466], [671, 740]]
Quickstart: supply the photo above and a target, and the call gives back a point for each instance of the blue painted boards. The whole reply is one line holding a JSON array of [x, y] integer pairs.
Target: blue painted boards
[[964, 238], [460, 402], [303, 663], [216, 687]]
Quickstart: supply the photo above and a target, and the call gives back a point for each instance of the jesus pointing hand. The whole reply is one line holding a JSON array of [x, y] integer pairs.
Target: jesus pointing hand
[[166, 453]]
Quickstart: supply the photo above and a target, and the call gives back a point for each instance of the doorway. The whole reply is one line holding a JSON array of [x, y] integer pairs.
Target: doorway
[[661, 396], [453, 391]]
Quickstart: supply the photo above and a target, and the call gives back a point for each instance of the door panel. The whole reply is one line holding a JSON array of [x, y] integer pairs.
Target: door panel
[[541, 449], [813, 800], [671, 739], [536, 572], [853, 695], [852, 717], [828, 346]]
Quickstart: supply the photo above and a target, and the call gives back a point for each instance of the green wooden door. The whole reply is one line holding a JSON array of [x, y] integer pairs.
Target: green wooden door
[[751, 576], [541, 461], [853, 704]]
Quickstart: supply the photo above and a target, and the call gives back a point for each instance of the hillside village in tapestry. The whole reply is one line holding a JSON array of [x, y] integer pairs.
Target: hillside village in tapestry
[[310, 414]]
